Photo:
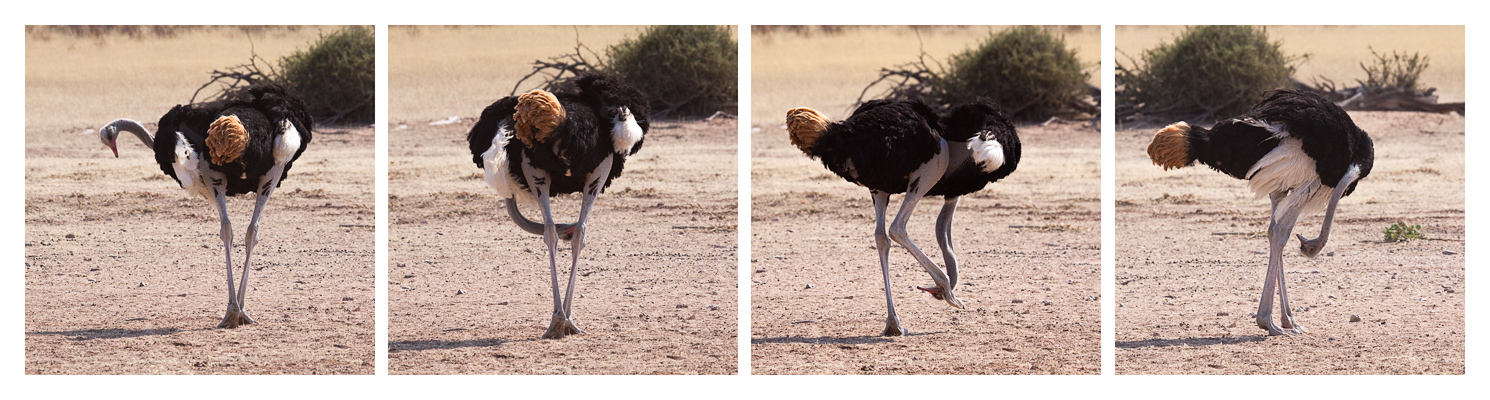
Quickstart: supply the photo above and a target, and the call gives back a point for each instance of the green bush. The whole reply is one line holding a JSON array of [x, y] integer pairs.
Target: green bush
[[1207, 72], [1028, 71], [335, 76], [684, 70], [1400, 232]]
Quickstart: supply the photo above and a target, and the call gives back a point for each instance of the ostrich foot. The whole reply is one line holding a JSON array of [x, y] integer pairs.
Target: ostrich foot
[[941, 293], [235, 317], [560, 327], [1289, 324], [1266, 322], [1310, 248], [892, 327]]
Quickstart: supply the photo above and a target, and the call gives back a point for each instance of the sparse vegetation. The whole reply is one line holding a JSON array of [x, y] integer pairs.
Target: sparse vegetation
[[1399, 70], [1207, 72], [1391, 84], [1400, 232], [689, 71], [1030, 72], [334, 77]]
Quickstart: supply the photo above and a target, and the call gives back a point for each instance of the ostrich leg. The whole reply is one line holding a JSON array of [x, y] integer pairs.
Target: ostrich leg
[[944, 240], [882, 245], [1311, 247], [1285, 214], [920, 182], [251, 237], [593, 182], [233, 317], [538, 180]]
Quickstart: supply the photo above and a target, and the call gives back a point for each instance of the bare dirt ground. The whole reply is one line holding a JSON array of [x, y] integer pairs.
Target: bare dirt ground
[[1028, 246], [1191, 253], [656, 292], [124, 270]]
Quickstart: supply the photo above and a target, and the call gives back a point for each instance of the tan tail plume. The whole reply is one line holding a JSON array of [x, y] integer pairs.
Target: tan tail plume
[[226, 139], [1171, 147], [538, 115], [805, 125]]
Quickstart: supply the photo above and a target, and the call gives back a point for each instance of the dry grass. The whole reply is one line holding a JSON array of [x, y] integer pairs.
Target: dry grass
[[1337, 51], [854, 56], [78, 84]]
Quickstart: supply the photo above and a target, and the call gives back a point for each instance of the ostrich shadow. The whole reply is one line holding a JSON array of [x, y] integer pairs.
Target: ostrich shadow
[[835, 340], [1191, 341], [92, 334], [420, 345]]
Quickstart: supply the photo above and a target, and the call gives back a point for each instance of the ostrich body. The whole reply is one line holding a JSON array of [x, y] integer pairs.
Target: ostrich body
[[540, 144], [245, 144], [905, 147], [1298, 149]]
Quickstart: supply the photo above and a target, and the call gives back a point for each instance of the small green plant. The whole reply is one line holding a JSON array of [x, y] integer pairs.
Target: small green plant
[[1208, 72], [1400, 232]]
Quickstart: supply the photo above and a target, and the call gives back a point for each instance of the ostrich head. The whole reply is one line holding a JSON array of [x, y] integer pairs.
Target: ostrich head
[[805, 125], [538, 115], [109, 134]]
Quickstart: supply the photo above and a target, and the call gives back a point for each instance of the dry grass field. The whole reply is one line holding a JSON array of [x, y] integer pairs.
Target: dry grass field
[[1030, 244], [1191, 243], [1335, 52], [124, 270], [470, 291]]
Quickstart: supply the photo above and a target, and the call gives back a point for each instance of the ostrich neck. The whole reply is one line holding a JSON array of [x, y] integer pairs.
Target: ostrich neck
[[132, 126]]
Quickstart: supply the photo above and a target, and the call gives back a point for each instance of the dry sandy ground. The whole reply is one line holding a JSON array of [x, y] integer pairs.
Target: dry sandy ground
[[124, 270], [1191, 252], [1028, 248], [656, 292]]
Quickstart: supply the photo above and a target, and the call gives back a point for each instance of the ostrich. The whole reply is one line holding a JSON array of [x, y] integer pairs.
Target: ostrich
[[903, 147], [244, 144], [1297, 148], [574, 140]]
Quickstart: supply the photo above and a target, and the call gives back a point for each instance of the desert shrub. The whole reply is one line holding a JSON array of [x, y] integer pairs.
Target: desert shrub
[[1399, 70], [334, 77], [1207, 72], [1028, 71], [684, 70], [1401, 232]]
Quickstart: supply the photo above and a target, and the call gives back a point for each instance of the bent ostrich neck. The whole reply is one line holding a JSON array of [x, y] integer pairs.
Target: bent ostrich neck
[[132, 126]]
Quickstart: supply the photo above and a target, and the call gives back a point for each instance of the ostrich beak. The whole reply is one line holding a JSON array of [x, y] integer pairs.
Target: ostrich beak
[[114, 148]]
